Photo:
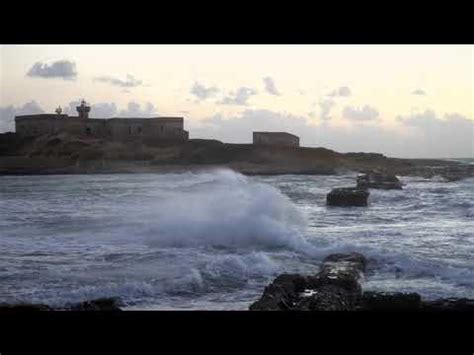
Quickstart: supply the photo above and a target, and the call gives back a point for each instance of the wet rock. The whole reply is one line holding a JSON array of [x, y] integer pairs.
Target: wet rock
[[100, 304], [390, 301], [335, 287], [282, 294], [378, 180], [347, 196]]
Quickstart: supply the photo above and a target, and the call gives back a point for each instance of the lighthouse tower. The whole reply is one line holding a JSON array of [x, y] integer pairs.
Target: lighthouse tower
[[83, 110]]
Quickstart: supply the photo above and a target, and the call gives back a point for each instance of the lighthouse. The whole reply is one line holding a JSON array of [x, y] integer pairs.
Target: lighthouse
[[83, 110]]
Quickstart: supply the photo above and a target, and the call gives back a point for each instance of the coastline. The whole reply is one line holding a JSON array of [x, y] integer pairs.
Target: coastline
[[65, 154]]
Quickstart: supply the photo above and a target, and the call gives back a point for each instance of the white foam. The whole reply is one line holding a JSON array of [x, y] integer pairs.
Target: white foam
[[225, 209]]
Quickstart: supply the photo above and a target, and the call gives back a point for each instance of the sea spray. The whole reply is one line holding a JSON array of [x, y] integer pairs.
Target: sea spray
[[225, 210]]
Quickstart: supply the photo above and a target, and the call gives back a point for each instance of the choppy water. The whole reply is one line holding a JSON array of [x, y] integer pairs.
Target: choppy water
[[214, 240]]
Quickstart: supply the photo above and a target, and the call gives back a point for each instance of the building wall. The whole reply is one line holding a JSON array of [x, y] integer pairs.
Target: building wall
[[276, 138], [116, 129]]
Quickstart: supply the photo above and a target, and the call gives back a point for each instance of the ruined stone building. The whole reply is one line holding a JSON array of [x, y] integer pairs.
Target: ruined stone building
[[276, 139], [115, 129]]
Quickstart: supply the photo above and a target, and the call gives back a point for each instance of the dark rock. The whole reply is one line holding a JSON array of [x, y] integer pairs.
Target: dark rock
[[335, 287], [281, 294], [24, 307], [347, 196], [100, 304], [378, 180], [450, 304], [393, 301], [326, 298]]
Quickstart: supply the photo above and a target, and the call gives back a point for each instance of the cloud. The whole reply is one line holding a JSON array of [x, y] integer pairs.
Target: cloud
[[63, 69], [103, 110], [135, 110], [450, 136], [431, 138], [419, 92], [365, 113], [108, 110], [8, 113], [202, 92], [343, 91], [129, 82], [270, 86], [238, 98], [238, 129], [326, 106]]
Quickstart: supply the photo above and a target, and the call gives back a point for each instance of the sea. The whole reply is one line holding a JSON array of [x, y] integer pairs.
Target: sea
[[213, 240]]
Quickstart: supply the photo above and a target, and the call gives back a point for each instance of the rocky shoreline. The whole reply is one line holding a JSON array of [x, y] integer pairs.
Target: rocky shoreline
[[65, 154], [336, 287], [99, 304]]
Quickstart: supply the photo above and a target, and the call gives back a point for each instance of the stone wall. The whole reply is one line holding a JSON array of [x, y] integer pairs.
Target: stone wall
[[276, 138], [116, 129]]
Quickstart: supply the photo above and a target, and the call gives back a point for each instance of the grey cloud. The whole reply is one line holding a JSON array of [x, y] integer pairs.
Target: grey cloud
[[450, 136], [326, 106], [8, 113], [129, 82], [343, 91], [238, 129], [202, 92], [238, 98], [270, 86], [135, 110], [104, 110], [419, 92], [107, 110], [365, 113], [63, 69]]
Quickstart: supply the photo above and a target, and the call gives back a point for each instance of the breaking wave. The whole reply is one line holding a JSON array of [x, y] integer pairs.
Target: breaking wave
[[224, 209]]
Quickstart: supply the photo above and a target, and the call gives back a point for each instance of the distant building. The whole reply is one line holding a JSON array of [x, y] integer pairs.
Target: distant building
[[276, 139], [115, 129]]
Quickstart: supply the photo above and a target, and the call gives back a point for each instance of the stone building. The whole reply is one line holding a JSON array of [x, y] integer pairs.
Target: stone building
[[115, 129], [276, 138]]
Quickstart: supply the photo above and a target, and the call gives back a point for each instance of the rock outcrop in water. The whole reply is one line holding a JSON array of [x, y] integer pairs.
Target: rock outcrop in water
[[347, 196], [336, 287], [99, 304], [378, 180]]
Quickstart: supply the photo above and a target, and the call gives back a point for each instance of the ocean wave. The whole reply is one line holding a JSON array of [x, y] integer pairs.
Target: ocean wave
[[229, 210]]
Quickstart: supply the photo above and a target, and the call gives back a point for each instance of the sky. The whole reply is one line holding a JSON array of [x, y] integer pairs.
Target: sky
[[413, 101]]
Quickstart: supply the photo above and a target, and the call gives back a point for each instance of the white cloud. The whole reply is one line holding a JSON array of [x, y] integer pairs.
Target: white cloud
[[240, 97], [270, 86], [63, 69], [129, 82], [365, 113]]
